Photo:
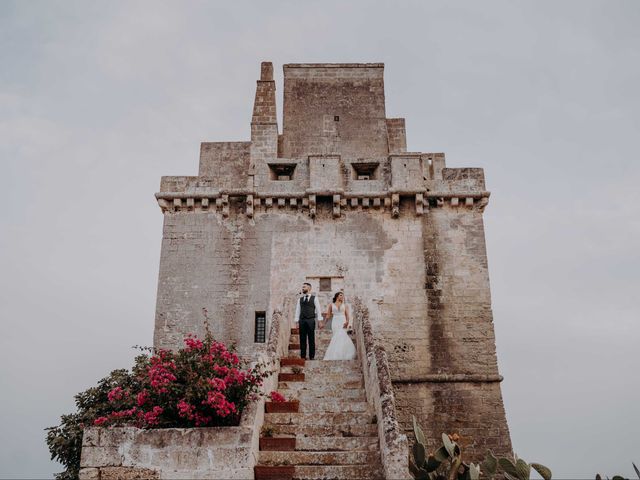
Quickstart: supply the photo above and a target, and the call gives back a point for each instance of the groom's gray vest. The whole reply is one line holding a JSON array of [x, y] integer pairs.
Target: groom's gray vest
[[308, 309]]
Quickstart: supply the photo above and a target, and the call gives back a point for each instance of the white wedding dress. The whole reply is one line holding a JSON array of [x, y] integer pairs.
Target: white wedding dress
[[341, 347]]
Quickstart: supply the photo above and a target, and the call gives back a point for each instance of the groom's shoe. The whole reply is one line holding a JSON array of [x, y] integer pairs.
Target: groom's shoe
[[311, 358]]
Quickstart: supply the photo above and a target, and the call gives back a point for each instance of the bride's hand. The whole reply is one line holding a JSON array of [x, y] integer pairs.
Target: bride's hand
[[345, 325]]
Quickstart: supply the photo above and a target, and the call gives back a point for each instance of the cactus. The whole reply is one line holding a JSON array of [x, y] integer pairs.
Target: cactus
[[446, 462], [618, 477]]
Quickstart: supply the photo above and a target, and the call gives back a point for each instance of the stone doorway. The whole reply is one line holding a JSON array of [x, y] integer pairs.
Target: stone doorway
[[324, 287]]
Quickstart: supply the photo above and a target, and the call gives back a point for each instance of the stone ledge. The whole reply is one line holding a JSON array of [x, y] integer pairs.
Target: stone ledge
[[334, 65], [452, 378]]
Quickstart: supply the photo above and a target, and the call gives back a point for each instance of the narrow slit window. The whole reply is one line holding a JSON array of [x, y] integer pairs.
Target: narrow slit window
[[261, 327]]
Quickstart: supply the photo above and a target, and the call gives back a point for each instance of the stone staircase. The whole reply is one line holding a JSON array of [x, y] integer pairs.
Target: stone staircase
[[333, 434]]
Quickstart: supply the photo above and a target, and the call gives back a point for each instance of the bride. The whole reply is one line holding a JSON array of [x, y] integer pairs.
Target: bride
[[341, 347]]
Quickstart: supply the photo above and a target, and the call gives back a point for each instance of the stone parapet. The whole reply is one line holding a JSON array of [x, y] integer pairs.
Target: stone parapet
[[198, 453], [377, 378]]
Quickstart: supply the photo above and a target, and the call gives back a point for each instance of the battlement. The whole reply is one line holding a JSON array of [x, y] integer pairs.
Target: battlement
[[336, 142]]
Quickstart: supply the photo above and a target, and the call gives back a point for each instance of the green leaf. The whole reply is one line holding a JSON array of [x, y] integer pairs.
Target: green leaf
[[449, 445], [543, 471], [441, 454], [490, 464], [524, 469], [463, 473], [432, 463], [419, 454], [508, 467], [418, 432], [418, 473], [474, 471], [413, 468]]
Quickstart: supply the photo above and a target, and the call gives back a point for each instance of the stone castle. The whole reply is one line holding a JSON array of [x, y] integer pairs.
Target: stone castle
[[337, 200]]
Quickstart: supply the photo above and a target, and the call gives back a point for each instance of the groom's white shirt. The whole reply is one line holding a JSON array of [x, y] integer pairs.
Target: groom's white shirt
[[315, 302]]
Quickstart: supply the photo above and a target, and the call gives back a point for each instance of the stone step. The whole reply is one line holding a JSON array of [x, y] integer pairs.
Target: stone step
[[291, 361], [372, 471], [318, 458], [330, 378], [332, 418], [322, 364], [333, 405], [319, 354], [346, 395], [325, 367], [324, 376], [326, 430], [323, 334], [328, 444], [321, 388]]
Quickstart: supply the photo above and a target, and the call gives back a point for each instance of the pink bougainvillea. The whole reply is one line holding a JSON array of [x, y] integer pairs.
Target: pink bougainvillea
[[116, 394], [277, 397], [203, 384]]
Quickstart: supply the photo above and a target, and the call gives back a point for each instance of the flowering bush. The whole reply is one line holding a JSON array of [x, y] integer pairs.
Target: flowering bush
[[277, 397], [203, 384]]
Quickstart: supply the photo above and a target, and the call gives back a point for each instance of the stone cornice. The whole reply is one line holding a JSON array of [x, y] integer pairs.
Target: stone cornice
[[218, 200]]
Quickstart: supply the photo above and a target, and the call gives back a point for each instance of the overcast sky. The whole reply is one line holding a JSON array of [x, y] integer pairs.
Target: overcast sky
[[99, 99]]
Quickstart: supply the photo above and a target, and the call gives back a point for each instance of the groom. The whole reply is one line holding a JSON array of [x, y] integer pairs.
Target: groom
[[307, 311]]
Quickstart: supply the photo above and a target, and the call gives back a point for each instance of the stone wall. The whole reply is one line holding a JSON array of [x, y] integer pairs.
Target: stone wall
[[473, 409], [334, 109], [460, 391], [237, 266], [226, 163], [194, 453]]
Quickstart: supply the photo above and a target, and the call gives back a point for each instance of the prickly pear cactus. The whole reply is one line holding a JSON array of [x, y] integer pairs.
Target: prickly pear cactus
[[446, 462]]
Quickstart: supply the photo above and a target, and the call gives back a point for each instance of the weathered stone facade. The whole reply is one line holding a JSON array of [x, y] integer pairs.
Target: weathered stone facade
[[336, 199]]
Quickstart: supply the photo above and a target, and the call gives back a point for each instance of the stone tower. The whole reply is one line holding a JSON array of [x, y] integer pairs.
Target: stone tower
[[338, 201]]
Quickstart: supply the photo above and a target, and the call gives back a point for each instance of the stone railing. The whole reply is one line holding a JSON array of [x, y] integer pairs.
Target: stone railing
[[213, 452], [394, 448]]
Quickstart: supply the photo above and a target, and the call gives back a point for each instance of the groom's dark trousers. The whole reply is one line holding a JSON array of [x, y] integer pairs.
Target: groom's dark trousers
[[308, 333], [307, 325]]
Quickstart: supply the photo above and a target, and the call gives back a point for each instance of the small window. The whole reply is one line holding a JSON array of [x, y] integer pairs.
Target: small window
[[365, 171], [336, 118], [325, 284], [260, 327], [281, 171]]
